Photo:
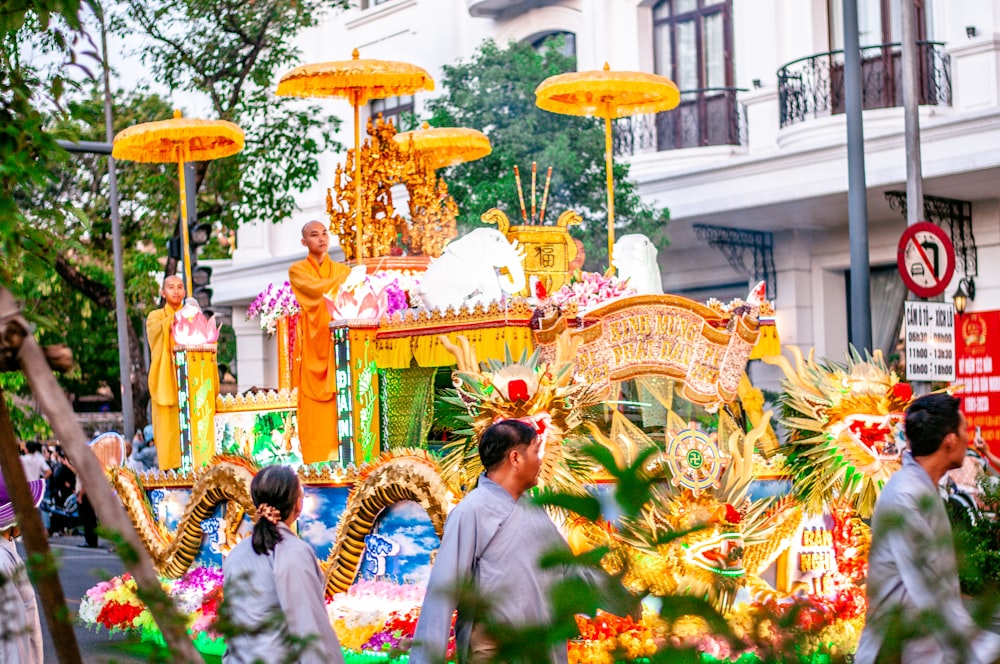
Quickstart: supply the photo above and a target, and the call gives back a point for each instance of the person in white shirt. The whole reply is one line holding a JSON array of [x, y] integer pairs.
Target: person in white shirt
[[35, 466]]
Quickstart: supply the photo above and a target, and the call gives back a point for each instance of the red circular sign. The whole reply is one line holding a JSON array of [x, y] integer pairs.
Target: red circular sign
[[926, 259]]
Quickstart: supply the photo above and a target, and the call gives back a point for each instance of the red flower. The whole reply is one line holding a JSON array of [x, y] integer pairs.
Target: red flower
[[902, 391], [115, 615], [732, 515]]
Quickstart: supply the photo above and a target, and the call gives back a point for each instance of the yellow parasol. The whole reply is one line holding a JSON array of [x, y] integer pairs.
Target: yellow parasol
[[179, 140], [445, 146], [359, 81], [610, 95]]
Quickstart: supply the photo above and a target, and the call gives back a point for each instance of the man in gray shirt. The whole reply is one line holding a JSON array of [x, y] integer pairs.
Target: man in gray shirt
[[915, 610], [494, 538]]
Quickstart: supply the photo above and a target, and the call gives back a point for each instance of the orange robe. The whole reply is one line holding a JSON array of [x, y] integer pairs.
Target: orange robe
[[163, 388], [314, 368]]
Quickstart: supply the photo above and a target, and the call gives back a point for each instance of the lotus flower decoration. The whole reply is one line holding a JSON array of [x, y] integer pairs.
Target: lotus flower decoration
[[516, 382], [192, 328], [377, 295]]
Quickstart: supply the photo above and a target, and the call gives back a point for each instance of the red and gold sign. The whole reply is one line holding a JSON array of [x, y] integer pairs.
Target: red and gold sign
[[662, 335], [978, 369]]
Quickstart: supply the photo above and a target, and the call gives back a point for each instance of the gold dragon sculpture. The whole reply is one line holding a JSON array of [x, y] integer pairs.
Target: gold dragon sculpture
[[394, 477], [729, 539]]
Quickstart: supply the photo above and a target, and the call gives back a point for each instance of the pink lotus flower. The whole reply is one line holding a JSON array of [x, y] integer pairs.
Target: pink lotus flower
[[192, 328]]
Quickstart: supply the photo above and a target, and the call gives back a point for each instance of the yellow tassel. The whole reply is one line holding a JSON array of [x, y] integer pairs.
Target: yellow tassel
[[768, 342]]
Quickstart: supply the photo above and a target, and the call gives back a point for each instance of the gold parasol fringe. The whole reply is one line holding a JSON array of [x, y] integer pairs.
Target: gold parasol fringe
[[446, 146], [368, 79], [167, 140], [613, 94]]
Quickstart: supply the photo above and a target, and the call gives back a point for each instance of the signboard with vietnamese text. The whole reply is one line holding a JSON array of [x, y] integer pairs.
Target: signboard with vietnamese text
[[978, 370], [664, 335], [930, 341], [810, 563]]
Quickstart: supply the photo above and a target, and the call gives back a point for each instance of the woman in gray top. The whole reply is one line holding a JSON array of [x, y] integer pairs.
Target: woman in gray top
[[273, 588]]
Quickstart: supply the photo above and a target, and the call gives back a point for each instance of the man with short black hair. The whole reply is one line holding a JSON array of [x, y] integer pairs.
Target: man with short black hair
[[493, 539], [912, 573]]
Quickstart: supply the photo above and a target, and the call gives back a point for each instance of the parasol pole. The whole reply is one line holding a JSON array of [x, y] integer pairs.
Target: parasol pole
[[185, 244], [356, 99], [611, 185]]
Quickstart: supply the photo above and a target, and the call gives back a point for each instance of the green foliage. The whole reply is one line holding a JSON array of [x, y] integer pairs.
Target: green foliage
[[55, 226], [494, 92], [28, 422], [977, 542], [233, 54]]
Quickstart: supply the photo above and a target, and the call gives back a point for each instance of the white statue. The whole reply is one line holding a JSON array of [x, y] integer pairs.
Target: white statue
[[634, 258], [468, 272]]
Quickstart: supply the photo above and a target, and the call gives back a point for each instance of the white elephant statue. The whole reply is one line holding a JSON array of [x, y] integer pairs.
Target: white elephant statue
[[468, 272], [634, 258]]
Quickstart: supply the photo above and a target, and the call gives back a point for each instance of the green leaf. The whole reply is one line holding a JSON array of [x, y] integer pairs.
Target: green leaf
[[586, 506]]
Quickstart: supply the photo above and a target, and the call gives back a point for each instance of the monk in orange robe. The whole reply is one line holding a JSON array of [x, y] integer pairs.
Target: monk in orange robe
[[163, 375], [314, 368]]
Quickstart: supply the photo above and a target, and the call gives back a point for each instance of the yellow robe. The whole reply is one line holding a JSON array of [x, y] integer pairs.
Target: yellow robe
[[163, 388], [314, 367]]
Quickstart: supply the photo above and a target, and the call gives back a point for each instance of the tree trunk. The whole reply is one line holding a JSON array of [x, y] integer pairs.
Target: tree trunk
[[108, 507], [41, 563]]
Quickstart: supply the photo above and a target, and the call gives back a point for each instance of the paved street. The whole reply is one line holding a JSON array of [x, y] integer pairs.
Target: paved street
[[79, 570]]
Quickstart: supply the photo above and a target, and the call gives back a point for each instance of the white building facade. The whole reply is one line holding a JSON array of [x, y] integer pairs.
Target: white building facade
[[752, 165]]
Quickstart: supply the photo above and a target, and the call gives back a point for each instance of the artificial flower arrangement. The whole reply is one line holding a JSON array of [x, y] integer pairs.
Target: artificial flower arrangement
[[588, 290], [273, 304], [378, 618], [115, 605]]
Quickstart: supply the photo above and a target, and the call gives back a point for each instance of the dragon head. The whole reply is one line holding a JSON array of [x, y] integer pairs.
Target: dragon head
[[844, 423]]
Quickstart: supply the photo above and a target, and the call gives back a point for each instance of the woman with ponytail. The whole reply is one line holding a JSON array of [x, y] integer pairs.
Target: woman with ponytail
[[273, 602]]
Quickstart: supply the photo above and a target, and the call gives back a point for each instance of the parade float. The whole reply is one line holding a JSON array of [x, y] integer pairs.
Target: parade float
[[424, 362]]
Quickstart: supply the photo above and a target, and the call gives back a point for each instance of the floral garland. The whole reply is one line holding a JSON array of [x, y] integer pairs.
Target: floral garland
[[273, 304]]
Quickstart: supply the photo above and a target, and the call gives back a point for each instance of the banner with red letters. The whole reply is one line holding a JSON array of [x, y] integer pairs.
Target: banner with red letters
[[977, 353]]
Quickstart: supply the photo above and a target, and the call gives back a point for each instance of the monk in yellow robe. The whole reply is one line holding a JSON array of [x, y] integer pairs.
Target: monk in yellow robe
[[163, 375], [314, 367]]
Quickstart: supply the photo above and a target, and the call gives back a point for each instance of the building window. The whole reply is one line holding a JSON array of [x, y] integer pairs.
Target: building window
[[879, 22], [393, 108], [368, 4], [566, 43], [692, 46]]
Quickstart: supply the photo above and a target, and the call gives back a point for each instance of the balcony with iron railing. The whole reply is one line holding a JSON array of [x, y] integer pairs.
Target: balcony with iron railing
[[813, 86], [704, 117]]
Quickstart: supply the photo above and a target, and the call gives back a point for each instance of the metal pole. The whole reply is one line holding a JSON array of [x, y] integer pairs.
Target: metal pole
[[121, 314], [86, 147], [911, 116], [857, 190], [610, 182]]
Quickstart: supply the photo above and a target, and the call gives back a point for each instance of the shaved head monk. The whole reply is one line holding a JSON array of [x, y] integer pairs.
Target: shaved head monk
[[313, 367], [163, 375]]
